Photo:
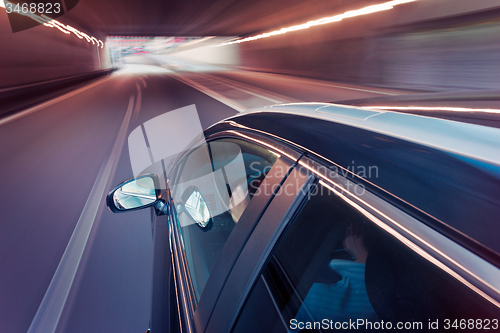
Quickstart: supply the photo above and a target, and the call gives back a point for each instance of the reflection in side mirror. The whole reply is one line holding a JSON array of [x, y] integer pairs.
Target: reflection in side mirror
[[137, 193], [196, 207]]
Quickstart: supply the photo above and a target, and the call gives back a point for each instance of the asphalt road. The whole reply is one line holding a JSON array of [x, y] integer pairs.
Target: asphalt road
[[59, 159]]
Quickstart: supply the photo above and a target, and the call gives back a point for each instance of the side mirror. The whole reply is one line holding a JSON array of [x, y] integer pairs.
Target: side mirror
[[196, 207], [135, 193]]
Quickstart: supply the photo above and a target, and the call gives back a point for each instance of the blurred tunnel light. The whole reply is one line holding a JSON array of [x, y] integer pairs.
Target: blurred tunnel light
[[48, 22], [143, 69], [432, 108], [325, 20]]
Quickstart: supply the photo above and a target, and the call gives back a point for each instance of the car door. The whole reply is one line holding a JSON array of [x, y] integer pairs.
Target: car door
[[234, 176], [329, 255]]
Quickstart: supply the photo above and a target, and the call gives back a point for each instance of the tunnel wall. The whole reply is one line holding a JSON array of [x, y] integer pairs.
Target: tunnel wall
[[211, 55], [43, 53], [428, 52], [440, 59]]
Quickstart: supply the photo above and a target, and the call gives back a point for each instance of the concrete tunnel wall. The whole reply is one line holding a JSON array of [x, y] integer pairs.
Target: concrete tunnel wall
[[43, 53], [438, 59], [426, 45]]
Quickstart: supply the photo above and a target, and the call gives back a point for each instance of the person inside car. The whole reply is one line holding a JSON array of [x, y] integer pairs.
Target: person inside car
[[345, 297]]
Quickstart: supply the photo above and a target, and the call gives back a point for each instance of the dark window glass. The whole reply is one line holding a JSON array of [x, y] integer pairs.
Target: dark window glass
[[226, 173], [333, 267]]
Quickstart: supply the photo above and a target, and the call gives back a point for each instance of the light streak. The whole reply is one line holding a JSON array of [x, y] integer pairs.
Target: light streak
[[51, 23], [325, 20], [265, 144], [431, 108]]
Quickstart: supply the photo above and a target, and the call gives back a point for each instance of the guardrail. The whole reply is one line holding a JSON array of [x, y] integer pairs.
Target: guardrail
[[15, 98]]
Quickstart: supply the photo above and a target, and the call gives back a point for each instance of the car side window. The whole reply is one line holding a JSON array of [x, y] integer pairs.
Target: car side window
[[226, 174], [333, 267]]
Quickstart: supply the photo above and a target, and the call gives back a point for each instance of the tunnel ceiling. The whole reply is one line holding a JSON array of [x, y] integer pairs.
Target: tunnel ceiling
[[201, 17]]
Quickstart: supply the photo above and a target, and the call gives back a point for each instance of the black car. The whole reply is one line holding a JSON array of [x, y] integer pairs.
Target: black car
[[317, 217]]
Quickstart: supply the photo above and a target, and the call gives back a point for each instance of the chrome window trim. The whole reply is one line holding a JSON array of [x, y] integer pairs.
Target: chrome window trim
[[258, 139], [473, 271], [185, 296], [248, 135]]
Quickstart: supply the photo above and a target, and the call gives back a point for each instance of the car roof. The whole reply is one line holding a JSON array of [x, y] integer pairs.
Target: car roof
[[469, 140], [474, 107], [445, 173]]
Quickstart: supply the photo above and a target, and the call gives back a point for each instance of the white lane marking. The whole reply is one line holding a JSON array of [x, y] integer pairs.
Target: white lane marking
[[260, 93], [138, 102], [49, 312], [207, 91], [317, 82], [50, 102]]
